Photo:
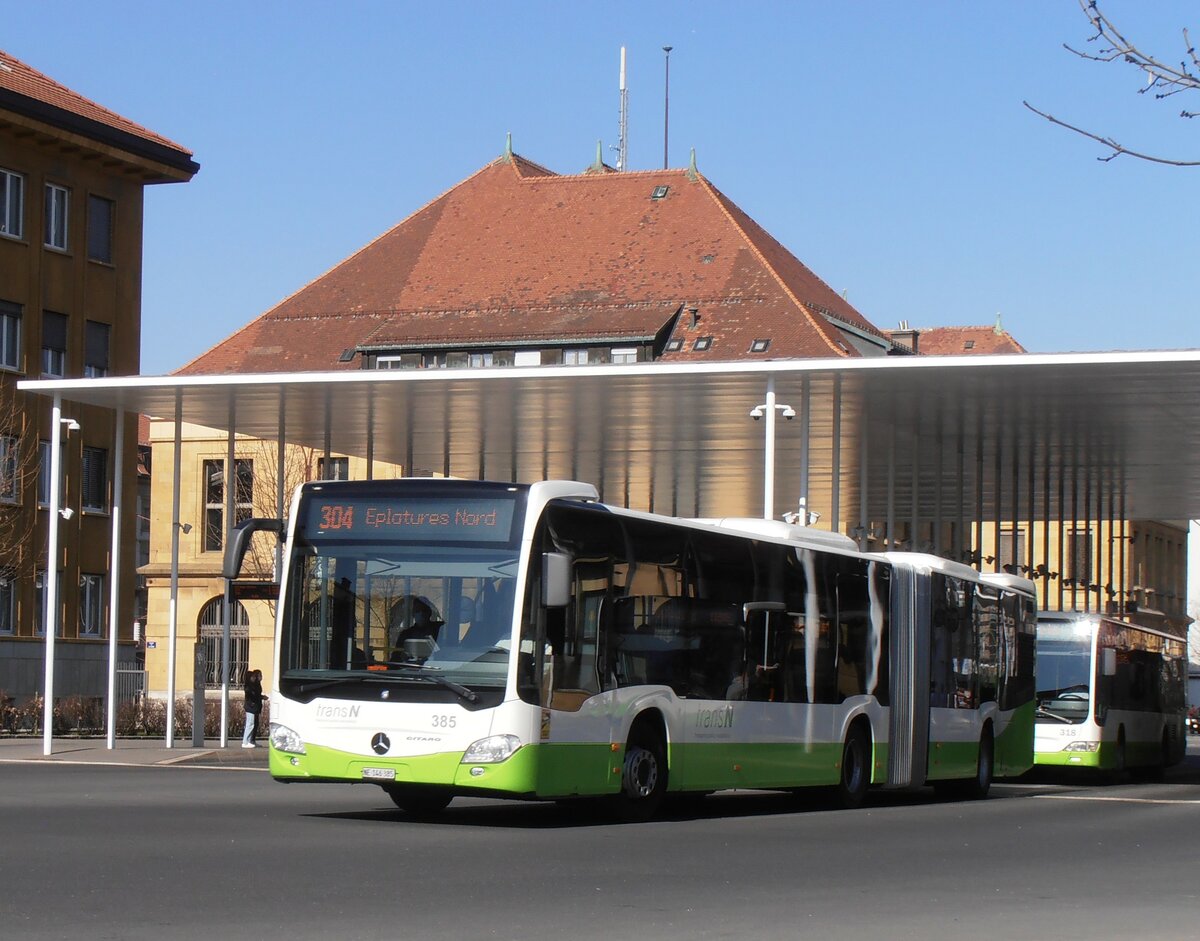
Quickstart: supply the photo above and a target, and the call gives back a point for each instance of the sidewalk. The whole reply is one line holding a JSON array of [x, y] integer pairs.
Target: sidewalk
[[136, 752]]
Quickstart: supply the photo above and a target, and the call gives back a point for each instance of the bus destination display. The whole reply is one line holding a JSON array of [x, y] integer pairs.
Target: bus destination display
[[435, 520]]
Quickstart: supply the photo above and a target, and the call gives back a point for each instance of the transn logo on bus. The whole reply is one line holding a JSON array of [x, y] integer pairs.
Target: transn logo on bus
[[337, 712], [715, 718]]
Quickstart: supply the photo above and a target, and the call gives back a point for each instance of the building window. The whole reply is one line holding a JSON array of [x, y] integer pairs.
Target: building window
[[674, 346], [969, 345], [10, 335], [12, 203], [624, 354], [100, 229], [8, 604], [1079, 554], [333, 468], [760, 346], [702, 344], [576, 357], [91, 605], [1012, 551], [478, 360], [212, 619], [10, 465], [43, 481], [41, 585], [54, 344], [95, 350], [214, 499], [95, 479], [57, 201], [527, 358], [388, 362]]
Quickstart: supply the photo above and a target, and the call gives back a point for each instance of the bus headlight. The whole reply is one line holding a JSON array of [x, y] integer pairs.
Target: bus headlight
[[285, 739], [491, 750], [1083, 746]]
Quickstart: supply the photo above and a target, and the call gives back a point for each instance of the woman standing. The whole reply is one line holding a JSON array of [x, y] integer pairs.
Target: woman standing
[[253, 700]]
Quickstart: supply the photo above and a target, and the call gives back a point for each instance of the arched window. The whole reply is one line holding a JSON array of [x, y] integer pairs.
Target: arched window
[[211, 623]]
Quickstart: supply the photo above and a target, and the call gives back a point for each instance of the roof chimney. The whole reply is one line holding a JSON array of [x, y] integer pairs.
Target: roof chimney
[[906, 338]]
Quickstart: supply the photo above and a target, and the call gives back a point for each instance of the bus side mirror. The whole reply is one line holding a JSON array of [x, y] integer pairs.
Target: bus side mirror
[[239, 542], [1108, 662], [556, 579]]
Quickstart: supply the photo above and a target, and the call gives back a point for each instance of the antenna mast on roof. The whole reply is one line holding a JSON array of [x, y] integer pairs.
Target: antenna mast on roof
[[623, 132], [666, 100]]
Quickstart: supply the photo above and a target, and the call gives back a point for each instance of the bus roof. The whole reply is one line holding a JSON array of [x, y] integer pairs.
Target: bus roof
[[1096, 617]]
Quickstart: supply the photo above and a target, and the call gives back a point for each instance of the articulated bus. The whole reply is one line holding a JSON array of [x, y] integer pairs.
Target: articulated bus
[[444, 637], [1110, 695]]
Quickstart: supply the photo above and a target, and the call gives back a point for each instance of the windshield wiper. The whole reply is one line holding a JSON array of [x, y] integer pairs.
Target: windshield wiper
[[1042, 711], [426, 673]]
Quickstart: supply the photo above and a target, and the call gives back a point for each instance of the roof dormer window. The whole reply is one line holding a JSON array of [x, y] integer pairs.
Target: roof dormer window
[[702, 344], [760, 346], [660, 192]]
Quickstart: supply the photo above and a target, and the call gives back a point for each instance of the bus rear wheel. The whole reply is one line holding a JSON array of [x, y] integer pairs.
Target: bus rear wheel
[[420, 801], [856, 769], [643, 776], [977, 787]]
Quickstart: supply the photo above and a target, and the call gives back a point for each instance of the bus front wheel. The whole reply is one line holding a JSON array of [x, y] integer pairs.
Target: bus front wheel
[[420, 802], [644, 775]]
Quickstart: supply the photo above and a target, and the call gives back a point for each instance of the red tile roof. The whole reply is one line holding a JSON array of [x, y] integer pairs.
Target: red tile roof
[[25, 90], [515, 252], [965, 341]]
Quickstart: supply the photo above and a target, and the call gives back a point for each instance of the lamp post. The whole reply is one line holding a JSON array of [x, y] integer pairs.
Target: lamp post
[[768, 410]]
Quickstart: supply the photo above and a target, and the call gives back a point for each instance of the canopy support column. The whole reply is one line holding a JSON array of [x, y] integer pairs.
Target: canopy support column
[[52, 577], [227, 607], [173, 612], [114, 581]]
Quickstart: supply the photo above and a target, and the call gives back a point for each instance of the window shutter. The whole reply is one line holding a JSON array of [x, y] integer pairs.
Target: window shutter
[[95, 347], [54, 330], [99, 226]]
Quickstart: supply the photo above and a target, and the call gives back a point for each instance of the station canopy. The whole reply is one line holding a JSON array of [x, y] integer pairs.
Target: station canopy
[[934, 438]]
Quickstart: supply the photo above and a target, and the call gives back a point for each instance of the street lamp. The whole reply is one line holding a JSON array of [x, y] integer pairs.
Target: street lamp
[[767, 410]]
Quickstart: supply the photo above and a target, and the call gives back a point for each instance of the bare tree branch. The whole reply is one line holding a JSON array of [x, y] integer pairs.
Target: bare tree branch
[[1164, 79], [1161, 79], [1110, 143]]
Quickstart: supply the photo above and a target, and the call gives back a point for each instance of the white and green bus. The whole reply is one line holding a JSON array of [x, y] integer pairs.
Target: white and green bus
[[1110, 695], [446, 637]]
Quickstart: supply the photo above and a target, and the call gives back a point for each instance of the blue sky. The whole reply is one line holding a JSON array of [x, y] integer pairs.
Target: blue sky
[[884, 143]]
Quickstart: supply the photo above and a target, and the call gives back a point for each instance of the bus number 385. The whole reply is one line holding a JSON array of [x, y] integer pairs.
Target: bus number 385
[[444, 722]]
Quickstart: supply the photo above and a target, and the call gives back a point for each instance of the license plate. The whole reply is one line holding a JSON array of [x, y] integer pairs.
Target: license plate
[[379, 774]]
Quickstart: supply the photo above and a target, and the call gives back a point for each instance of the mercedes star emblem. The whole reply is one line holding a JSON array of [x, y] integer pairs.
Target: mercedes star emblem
[[380, 744]]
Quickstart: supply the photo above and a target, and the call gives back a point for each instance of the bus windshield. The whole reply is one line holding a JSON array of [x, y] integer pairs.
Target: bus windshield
[[373, 611], [1063, 671], [410, 588]]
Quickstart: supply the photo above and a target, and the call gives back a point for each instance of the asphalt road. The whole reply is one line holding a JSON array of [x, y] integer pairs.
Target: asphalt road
[[185, 853]]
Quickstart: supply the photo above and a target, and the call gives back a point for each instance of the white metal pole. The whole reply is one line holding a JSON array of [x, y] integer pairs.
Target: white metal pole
[[280, 465], [769, 453], [114, 583], [173, 614], [50, 622], [226, 620]]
